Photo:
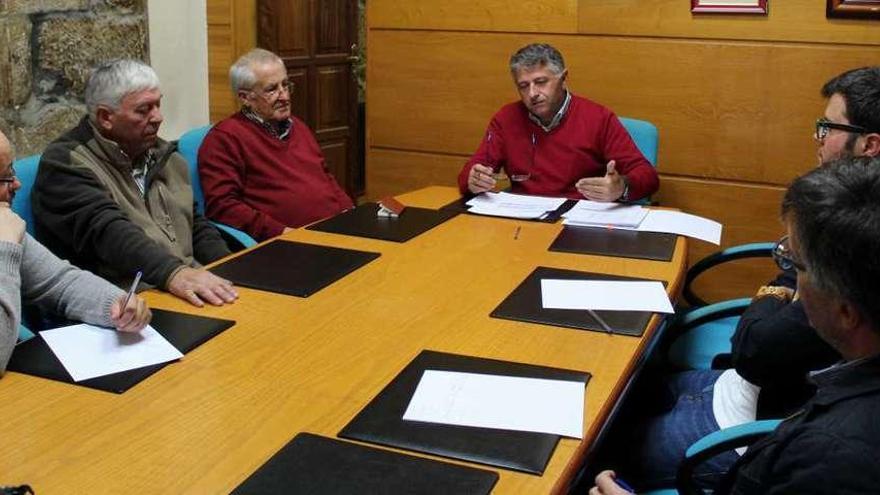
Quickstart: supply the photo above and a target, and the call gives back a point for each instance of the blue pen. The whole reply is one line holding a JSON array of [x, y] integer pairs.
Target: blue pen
[[624, 485]]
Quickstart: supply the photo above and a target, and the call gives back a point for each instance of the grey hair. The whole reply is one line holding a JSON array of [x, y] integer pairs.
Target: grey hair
[[537, 55], [241, 74], [110, 82]]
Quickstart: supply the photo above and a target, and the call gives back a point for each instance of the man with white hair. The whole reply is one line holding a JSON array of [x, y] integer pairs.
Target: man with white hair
[[113, 197], [261, 169], [29, 273]]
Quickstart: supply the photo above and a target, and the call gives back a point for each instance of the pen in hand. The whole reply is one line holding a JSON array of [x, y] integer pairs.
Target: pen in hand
[[134, 284], [600, 321]]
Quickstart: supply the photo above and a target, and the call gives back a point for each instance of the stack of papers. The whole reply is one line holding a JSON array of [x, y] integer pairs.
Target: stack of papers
[[594, 214], [503, 204], [502, 402], [607, 295], [87, 351]]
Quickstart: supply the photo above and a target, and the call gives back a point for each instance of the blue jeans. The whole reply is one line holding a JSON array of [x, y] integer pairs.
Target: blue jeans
[[659, 442]]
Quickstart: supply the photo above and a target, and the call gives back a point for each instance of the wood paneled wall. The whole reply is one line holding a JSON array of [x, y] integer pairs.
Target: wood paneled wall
[[232, 31], [735, 97]]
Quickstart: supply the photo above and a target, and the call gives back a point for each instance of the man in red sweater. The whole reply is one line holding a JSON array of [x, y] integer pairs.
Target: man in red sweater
[[261, 169], [553, 143]]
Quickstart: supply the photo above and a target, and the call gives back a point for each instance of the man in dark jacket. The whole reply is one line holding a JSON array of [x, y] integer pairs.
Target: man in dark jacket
[[113, 198], [831, 445]]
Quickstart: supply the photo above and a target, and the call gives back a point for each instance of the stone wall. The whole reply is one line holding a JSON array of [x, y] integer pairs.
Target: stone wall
[[46, 50]]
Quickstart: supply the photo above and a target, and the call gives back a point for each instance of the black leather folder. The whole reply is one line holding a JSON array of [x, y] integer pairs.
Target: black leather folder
[[381, 421], [524, 304], [314, 465], [460, 206], [615, 242], [185, 332], [363, 222], [292, 268]]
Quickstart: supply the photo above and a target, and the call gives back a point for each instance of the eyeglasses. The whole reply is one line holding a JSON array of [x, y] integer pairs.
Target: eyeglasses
[[824, 126], [10, 178], [275, 90], [783, 257]]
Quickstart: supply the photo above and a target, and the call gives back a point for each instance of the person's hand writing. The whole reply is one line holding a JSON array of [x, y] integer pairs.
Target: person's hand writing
[[605, 485], [133, 317], [11, 225], [607, 188], [195, 286], [480, 179]]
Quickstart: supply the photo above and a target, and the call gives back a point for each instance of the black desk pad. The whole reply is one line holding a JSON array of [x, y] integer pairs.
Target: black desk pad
[[363, 222], [311, 464], [292, 268], [460, 206], [615, 242], [381, 421], [524, 304], [183, 331]]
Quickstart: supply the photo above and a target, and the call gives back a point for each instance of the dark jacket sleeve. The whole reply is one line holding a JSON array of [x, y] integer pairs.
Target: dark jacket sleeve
[[76, 212], [774, 343], [208, 244]]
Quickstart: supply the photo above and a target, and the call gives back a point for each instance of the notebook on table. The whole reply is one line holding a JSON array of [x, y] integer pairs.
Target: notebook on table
[[615, 242], [183, 331], [292, 268], [312, 464], [381, 421], [364, 221]]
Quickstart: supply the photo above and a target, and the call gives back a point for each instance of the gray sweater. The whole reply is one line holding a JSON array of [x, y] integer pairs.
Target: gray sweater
[[29, 272]]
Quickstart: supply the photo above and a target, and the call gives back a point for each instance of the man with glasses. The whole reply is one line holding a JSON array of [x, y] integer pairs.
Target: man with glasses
[[114, 198], [261, 169], [774, 346], [830, 445], [30, 273], [553, 143]]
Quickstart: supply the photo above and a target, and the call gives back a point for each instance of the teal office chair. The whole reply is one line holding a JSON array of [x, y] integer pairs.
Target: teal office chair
[[703, 332], [712, 445], [26, 171], [188, 146], [645, 136]]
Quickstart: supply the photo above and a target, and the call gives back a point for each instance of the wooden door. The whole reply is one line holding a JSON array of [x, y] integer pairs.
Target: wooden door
[[316, 40]]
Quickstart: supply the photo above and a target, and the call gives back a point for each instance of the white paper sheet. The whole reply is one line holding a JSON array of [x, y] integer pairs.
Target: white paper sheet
[[87, 351], [504, 402], [676, 222], [609, 295], [503, 204], [593, 214]]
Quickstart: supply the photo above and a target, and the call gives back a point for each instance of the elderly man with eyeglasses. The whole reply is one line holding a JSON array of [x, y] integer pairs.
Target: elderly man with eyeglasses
[[113, 197], [774, 347], [30, 273], [261, 169]]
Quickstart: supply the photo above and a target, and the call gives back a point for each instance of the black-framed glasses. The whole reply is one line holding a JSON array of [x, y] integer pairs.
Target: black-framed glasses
[[824, 126], [10, 178], [783, 257]]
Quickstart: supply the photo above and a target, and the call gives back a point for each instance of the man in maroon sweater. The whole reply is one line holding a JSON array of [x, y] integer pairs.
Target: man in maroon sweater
[[553, 143], [261, 169]]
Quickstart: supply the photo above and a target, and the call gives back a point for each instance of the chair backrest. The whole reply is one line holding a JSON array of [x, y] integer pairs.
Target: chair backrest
[[26, 171], [645, 136], [188, 146]]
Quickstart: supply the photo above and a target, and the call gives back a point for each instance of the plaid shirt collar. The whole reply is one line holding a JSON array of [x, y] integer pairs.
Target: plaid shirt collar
[[557, 119], [280, 130]]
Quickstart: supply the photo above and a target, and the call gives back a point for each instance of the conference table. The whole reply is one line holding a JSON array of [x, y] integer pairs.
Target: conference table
[[291, 365]]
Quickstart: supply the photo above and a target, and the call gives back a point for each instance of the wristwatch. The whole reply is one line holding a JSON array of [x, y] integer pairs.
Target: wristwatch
[[780, 293], [625, 195]]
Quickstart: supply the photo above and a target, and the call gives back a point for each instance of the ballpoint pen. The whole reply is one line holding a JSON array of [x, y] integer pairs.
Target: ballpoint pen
[[134, 284], [624, 485], [600, 321], [516, 232]]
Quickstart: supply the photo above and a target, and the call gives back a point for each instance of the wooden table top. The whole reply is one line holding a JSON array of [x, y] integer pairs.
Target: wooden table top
[[290, 365]]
